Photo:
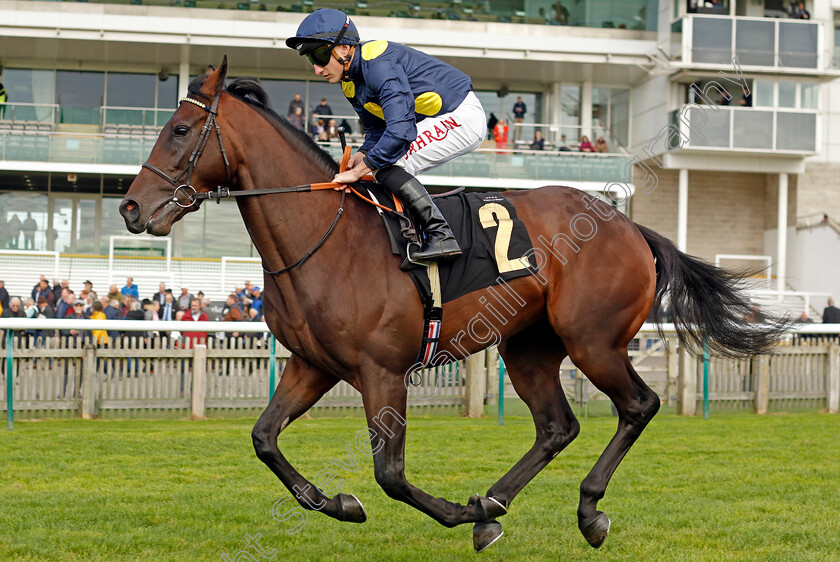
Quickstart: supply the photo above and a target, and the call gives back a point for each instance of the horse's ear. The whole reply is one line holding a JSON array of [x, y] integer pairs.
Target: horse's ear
[[216, 77]]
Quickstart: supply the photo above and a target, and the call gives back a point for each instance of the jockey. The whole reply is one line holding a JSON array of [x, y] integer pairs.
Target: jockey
[[417, 112]]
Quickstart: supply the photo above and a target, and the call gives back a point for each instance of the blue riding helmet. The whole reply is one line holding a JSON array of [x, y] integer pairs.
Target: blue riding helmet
[[324, 26]]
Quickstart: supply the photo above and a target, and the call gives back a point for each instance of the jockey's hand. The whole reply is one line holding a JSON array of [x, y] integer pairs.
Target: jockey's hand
[[355, 170]]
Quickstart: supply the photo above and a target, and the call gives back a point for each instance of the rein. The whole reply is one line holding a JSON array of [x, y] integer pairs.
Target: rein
[[182, 191]]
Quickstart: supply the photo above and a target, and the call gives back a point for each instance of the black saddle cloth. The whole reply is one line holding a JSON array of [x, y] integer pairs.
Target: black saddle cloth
[[477, 267]]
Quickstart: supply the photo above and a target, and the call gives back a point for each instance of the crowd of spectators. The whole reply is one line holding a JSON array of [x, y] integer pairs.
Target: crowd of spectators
[[59, 300]]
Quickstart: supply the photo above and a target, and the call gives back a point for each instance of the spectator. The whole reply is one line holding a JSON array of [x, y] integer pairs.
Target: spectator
[[184, 299], [332, 130], [101, 336], [797, 11], [170, 308], [4, 296], [319, 131], [232, 312], [564, 147], [14, 310], [136, 312], [60, 286], [125, 307], [294, 104], [153, 314], [746, 98], [88, 288], [4, 97], [65, 304], [803, 318], [255, 315], [44, 309], [831, 314], [323, 108], [500, 135], [160, 296], [29, 227], [14, 232], [30, 308], [196, 315], [491, 126], [601, 145], [114, 294], [206, 308], [347, 128], [519, 110], [75, 312], [297, 119], [538, 143], [130, 289], [585, 145], [42, 289], [561, 14], [256, 299], [111, 309]]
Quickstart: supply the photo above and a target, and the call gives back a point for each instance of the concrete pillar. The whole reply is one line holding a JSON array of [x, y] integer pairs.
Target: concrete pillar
[[586, 109], [184, 71], [682, 212], [781, 234]]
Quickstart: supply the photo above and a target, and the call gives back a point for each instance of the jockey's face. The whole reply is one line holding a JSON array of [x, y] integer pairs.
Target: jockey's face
[[333, 70]]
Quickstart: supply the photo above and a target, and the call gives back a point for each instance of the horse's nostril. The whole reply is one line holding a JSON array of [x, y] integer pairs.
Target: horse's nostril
[[130, 210]]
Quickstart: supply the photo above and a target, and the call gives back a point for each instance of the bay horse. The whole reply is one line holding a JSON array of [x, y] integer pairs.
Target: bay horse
[[350, 314]]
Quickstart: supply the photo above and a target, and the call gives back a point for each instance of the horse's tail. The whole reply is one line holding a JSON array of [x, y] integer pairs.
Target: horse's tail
[[708, 304]]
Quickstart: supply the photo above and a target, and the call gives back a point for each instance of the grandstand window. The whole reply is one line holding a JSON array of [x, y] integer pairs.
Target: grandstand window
[[24, 85], [167, 93], [611, 114], [130, 90], [809, 97], [80, 95]]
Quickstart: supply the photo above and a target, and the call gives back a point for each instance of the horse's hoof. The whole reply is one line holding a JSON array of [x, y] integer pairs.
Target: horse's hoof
[[596, 531], [352, 509], [485, 534], [490, 508]]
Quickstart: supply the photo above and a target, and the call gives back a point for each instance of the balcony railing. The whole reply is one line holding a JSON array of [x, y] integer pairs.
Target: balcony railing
[[761, 42], [133, 150], [779, 130]]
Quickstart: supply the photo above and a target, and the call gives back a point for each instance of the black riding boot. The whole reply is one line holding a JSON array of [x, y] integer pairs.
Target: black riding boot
[[440, 243]]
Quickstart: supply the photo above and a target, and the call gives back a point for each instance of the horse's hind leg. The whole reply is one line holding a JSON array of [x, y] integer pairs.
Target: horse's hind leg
[[533, 359], [384, 397], [611, 371], [300, 387]]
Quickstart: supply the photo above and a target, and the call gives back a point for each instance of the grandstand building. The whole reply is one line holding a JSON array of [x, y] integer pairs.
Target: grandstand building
[[737, 162]]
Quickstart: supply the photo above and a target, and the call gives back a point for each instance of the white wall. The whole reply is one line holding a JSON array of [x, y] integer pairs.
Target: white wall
[[812, 263]]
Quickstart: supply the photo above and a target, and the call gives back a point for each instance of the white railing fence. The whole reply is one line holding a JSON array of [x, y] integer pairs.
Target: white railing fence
[[157, 370]]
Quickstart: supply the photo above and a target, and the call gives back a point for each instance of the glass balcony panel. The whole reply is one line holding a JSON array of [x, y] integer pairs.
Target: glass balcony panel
[[798, 44], [809, 96], [752, 129], [755, 42], [763, 93], [787, 94], [796, 131], [712, 40], [709, 128]]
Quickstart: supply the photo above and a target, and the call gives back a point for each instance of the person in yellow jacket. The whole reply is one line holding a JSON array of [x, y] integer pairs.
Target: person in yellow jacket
[[101, 336]]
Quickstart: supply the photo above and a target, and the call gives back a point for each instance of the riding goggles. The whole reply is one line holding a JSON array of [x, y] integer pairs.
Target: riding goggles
[[321, 55]]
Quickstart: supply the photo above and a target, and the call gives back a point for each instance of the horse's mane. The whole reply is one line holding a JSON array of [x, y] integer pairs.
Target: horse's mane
[[252, 93]]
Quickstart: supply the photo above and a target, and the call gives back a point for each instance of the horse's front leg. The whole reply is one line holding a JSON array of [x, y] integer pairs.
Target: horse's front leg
[[385, 405], [301, 385]]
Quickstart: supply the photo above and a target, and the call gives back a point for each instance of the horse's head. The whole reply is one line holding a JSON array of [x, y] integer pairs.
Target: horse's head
[[160, 195]]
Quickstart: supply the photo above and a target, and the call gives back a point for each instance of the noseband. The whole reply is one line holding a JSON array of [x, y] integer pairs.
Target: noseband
[[189, 192]]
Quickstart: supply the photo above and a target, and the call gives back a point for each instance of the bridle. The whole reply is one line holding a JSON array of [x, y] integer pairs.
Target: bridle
[[209, 125], [223, 191]]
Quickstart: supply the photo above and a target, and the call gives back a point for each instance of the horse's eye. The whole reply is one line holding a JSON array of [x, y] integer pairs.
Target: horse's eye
[[181, 130]]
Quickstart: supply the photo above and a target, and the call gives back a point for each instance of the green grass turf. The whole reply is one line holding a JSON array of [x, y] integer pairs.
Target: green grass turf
[[736, 487]]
